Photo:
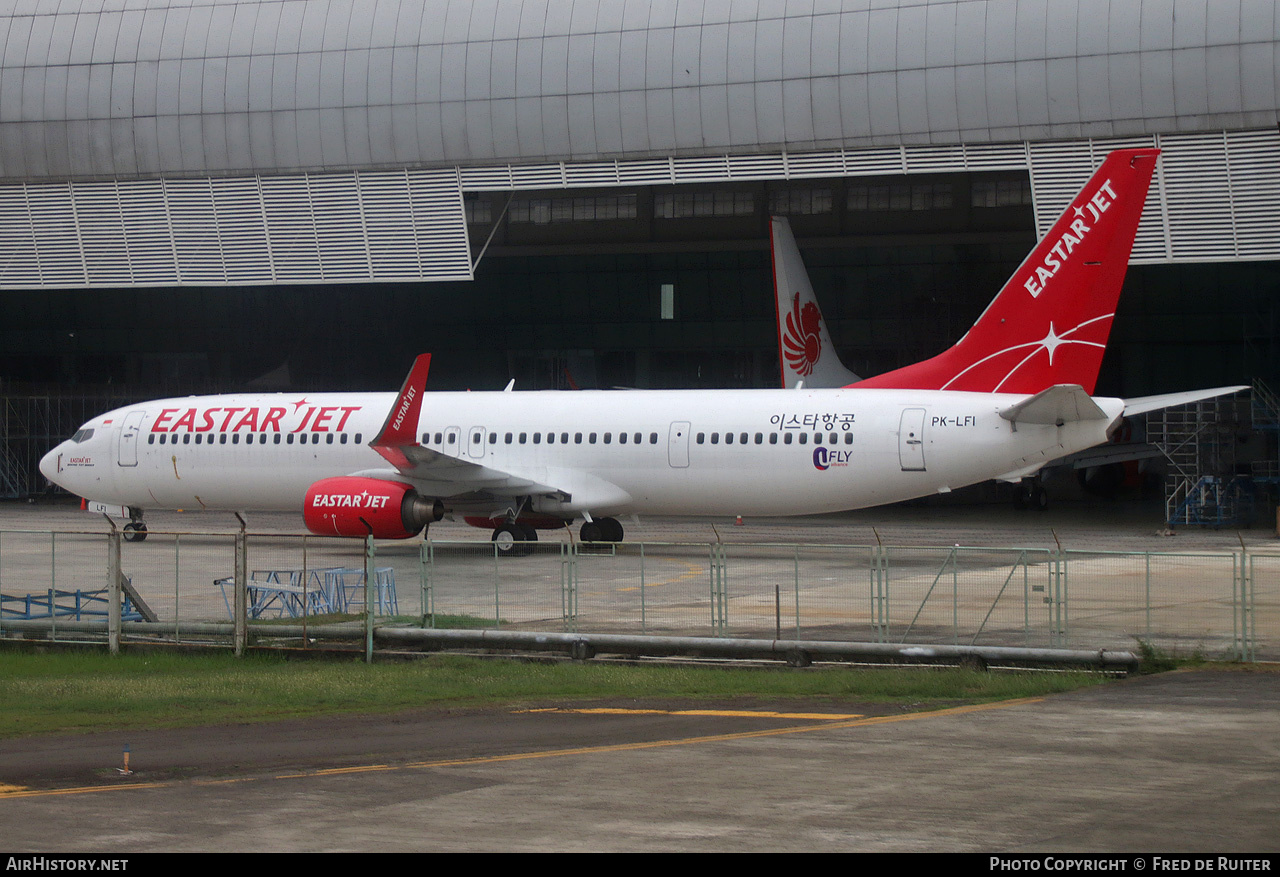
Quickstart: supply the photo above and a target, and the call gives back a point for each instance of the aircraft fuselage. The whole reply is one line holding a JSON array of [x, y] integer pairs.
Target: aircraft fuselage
[[680, 452]]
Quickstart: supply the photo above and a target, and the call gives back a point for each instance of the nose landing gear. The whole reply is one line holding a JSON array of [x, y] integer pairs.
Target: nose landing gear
[[136, 529]]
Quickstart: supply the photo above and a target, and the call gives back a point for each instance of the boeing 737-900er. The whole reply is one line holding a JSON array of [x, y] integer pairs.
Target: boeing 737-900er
[[1011, 395]]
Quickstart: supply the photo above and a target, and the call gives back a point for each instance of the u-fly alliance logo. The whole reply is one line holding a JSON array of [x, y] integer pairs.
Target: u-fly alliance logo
[[801, 342]]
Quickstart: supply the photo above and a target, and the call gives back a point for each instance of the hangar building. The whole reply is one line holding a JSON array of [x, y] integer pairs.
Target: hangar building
[[206, 195]]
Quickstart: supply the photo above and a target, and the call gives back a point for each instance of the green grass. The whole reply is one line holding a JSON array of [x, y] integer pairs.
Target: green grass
[[71, 691]]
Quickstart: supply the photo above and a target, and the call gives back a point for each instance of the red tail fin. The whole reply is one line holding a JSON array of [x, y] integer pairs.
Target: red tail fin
[[1050, 322]]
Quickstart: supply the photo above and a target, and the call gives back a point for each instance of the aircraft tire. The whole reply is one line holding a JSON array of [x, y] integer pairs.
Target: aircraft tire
[[135, 531], [1039, 497], [530, 533], [610, 529], [509, 540], [591, 532]]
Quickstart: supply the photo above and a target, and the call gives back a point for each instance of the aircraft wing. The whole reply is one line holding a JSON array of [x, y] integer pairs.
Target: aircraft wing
[[435, 473]]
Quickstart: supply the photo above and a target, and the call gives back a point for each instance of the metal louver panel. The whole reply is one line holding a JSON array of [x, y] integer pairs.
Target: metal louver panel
[[772, 166], [1215, 197], [308, 228]]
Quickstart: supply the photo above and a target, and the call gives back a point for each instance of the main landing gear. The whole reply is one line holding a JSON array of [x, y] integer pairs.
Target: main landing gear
[[601, 530], [136, 529], [1029, 493], [513, 539]]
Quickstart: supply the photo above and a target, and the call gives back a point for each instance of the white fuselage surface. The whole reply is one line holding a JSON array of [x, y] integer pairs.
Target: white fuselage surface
[[680, 452]]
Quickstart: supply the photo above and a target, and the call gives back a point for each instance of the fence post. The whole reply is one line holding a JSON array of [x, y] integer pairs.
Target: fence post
[[795, 591], [426, 559], [370, 594], [1242, 608], [1058, 599], [879, 596], [53, 587], [113, 591], [240, 618], [719, 590], [644, 621], [569, 587]]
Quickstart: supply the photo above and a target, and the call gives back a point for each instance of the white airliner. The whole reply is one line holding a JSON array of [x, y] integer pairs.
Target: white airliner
[[1011, 395]]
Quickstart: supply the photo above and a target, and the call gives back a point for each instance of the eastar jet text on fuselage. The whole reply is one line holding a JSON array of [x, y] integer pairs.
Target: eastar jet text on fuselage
[[1011, 395]]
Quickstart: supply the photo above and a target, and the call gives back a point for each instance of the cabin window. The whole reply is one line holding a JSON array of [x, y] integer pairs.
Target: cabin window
[[786, 438], [342, 439], [551, 438], [186, 438], [328, 439], [608, 436], [426, 437], [848, 438], [507, 438], [288, 440], [524, 437], [564, 438], [728, 438], [276, 439], [773, 438], [222, 438], [653, 438], [701, 437], [537, 438], [493, 438], [577, 438], [622, 438], [591, 438], [804, 437], [817, 438], [448, 439], [439, 438], [759, 438], [235, 439], [151, 439], [742, 438], [715, 438], [358, 438]]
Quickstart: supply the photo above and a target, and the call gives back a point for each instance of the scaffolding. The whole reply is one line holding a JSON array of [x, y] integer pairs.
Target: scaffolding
[[1204, 484], [31, 425]]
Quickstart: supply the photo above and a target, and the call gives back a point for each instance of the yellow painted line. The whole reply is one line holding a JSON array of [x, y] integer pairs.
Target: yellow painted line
[[732, 714], [81, 790], [582, 750], [741, 735], [694, 571]]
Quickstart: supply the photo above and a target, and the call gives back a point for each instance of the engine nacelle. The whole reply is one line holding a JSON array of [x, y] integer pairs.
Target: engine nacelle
[[352, 506]]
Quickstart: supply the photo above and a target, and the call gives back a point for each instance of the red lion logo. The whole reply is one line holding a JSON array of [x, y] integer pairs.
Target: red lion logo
[[801, 342]]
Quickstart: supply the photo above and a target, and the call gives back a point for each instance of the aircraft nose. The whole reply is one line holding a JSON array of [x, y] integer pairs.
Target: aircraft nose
[[49, 464]]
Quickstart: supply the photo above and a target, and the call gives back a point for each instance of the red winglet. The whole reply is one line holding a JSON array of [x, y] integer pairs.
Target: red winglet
[[401, 427]]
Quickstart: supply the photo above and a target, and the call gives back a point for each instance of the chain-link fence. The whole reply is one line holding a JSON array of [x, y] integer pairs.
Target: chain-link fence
[[186, 587]]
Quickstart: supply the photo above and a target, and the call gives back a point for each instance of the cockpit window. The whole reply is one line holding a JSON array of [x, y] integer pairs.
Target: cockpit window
[[82, 435]]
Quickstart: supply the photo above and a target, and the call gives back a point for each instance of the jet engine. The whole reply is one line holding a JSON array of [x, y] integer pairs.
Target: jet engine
[[353, 506]]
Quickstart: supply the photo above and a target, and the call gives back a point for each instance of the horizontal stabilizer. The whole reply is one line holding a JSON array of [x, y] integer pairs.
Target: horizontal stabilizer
[[1061, 403], [1143, 404]]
